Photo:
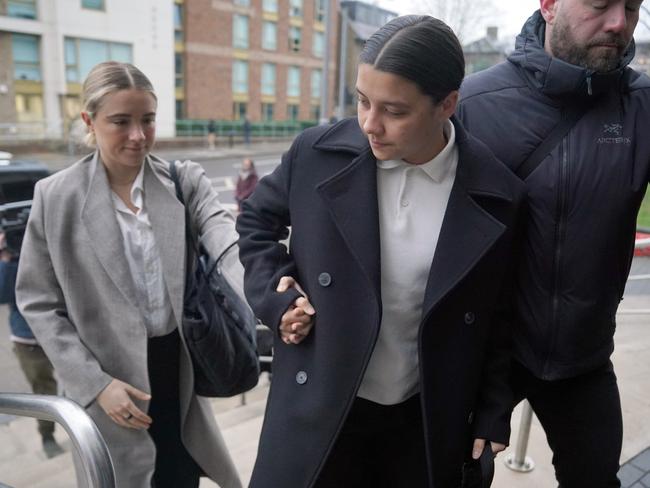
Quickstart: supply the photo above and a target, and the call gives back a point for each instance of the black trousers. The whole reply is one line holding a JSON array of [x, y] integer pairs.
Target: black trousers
[[583, 423], [379, 446], [175, 468]]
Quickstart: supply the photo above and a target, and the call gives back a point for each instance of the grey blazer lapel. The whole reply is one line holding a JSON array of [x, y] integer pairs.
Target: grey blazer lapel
[[167, 217], [98, 216]]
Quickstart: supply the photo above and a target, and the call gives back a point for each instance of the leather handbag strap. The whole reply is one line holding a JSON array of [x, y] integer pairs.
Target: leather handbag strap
[[173, 172], [570, 116]]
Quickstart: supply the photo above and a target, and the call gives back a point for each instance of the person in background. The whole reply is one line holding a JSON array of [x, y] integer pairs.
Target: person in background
[[101, 283], [570, 70], [390, 306], [212, 134], [246, 129], [32, 359], [246, 182]]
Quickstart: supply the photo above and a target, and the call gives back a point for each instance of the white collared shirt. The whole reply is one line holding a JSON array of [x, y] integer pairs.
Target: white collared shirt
[[412, 201], [144, 260]]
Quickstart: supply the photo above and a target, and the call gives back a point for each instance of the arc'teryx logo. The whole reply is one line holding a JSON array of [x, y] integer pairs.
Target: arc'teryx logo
[[613, 134]]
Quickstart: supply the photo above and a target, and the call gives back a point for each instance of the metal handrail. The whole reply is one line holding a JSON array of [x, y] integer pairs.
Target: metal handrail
[[92, 461]]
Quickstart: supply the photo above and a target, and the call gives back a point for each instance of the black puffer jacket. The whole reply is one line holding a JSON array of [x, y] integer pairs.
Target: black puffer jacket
[[583, 198]]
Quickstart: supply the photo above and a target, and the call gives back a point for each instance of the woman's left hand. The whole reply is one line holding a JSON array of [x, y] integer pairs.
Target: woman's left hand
[[479, 445]]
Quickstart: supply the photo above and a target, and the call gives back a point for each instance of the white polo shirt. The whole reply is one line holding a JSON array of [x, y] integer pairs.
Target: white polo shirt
[[412, 203]]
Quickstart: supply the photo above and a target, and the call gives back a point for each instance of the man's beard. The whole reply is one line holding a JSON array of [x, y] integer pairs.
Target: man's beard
[[602, 60]]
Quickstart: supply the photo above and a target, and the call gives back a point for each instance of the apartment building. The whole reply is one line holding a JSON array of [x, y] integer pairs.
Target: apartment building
[[359, 21], [47, 47], [260, 59]]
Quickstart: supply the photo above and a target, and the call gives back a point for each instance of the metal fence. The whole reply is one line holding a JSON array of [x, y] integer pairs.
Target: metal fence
[[29, 131], [91, 458], [235, 128]]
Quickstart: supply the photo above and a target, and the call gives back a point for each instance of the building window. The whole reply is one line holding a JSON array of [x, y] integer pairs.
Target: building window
[[270, 6], [319, 10], [267, 112], [318, 48], [82, 54], [292, 111], [270, 36], [240, 31], [240, 76], [178, 22], [93, 4], [178, 70], [293, 81], [316, 81], [268, 79], [242, 3], [180, 109], [295, 36], [27, 57], [295, 8], [23, 9], [239, 110], [29, 108]]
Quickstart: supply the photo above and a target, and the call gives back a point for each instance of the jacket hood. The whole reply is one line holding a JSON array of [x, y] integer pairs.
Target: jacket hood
[[557, 78]]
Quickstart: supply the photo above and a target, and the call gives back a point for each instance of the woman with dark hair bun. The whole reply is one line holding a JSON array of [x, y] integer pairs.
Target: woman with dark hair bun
[[390, 304]]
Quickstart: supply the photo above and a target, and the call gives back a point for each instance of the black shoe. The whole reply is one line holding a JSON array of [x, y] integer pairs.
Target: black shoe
[[51, 448]]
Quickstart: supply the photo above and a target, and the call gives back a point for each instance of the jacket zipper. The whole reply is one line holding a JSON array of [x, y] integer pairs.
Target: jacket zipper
[[557, 258]]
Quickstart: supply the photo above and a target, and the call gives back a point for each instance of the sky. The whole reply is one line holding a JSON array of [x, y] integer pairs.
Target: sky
[[509, 17]]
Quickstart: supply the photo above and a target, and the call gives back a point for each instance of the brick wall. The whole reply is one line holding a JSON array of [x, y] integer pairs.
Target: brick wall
[[209, 55]]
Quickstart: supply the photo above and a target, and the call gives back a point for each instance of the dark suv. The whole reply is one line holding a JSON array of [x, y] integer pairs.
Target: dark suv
[[17, 180]]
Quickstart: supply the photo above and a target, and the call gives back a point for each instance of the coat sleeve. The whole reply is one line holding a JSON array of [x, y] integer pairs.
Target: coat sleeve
[[263, 222], [41, 301], [212, 222]]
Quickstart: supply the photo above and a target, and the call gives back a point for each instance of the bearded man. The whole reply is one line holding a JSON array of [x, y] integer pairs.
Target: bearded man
[[567, 114]]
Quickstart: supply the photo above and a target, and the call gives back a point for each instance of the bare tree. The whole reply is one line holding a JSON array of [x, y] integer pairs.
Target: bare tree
[[466, 17], [644, 17]]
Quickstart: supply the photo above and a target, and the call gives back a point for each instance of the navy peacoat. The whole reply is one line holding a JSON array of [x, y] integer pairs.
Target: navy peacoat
[[326, 190]]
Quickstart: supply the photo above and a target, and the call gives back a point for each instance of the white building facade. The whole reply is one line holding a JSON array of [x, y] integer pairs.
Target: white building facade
[[47, 48]]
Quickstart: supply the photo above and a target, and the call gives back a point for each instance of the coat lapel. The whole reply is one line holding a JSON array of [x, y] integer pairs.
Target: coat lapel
[[167, 217], [98, 216], [351, 197], [467, 233]]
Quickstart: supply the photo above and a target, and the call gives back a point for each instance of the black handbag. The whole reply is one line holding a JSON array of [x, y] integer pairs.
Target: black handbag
[[478, 473], [219, 328]]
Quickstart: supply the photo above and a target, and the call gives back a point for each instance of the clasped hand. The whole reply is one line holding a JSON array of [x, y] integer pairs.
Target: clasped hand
[[297, 321]]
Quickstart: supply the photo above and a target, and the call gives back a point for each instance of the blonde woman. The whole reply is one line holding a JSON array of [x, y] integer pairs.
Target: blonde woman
[[101, 283]]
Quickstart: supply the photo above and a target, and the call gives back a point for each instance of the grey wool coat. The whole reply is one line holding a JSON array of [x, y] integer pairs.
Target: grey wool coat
[[75, 289]]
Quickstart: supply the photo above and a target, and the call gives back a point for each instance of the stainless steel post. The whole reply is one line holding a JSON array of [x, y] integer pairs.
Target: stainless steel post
[[519, 461]]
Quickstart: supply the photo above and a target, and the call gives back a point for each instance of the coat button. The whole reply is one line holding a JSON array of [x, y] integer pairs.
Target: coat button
[[301, 377], [470, 318], [324, 279]]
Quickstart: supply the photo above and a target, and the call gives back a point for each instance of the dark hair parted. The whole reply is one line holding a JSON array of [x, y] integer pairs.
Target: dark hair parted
[[421, 49]]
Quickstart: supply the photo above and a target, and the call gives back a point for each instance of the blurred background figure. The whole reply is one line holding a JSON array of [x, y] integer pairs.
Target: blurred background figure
[[32, 359], [212, 134], [246, 128], [246, 182]]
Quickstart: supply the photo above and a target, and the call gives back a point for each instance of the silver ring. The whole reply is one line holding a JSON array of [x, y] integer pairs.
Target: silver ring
[[128, 416]]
